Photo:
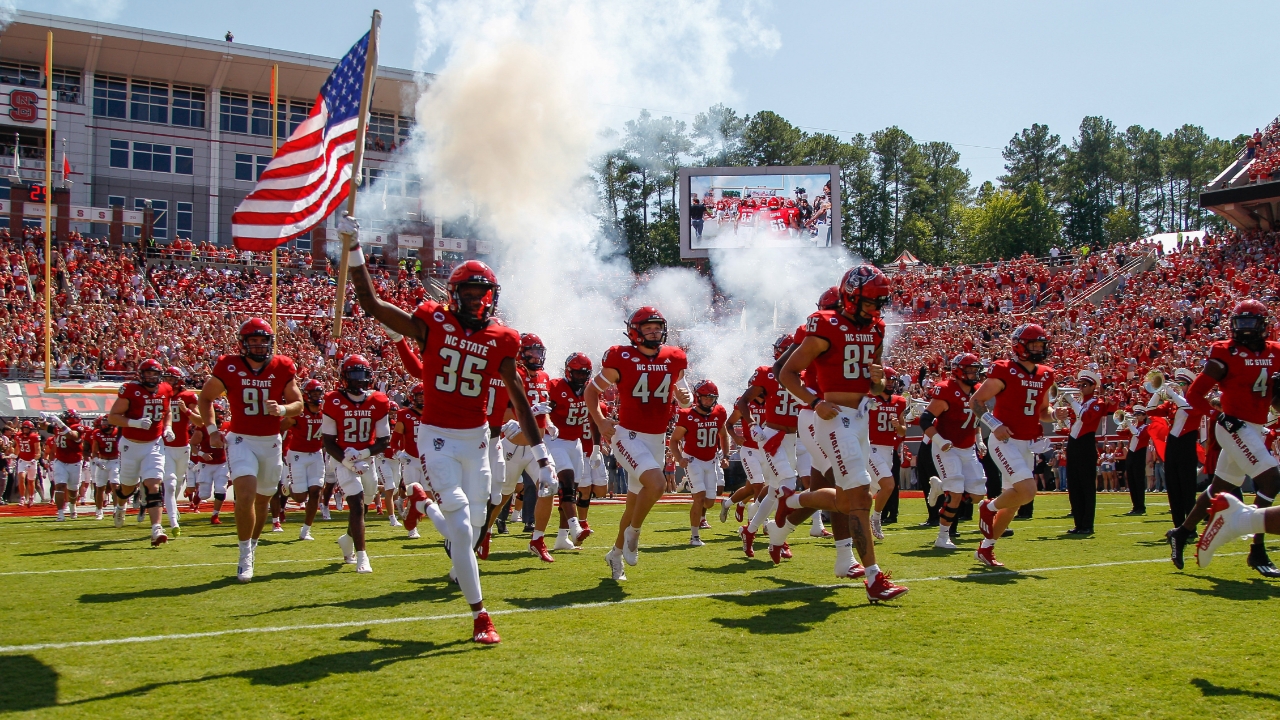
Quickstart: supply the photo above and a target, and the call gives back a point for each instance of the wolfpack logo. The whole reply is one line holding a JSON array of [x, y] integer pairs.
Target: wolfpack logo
[[632, 435], [437, 443], [845, 420], [448, 328], [439, 316], [239, 439]]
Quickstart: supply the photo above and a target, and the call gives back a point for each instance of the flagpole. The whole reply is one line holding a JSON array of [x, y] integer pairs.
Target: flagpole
[[366, 92], [275, 144], [48, 206]]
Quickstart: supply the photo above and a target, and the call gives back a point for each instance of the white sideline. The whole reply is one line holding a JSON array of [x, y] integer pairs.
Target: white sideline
[[191, 565], [513, 611]]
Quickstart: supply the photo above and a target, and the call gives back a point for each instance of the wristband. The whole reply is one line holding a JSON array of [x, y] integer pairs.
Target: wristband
[[355, 258], [211, 429], [539, 451], [363, 454], [990, 421], [814, 405]]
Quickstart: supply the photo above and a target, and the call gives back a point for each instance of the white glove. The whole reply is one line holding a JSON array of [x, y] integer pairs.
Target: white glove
[[361, 467], [348, 225], [757, 434], [510, 428], [596, 458], [142, 423], [168, 435], [1041, 444], [351, 454], [982, 447], [52, 418], [392, 335], [403, 456], [547, 483], [552, 432], [542, 408], [863, 406], [349, 463]]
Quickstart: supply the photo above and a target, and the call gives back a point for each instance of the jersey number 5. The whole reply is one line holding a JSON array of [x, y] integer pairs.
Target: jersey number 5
[[471, 383], [855, 357]]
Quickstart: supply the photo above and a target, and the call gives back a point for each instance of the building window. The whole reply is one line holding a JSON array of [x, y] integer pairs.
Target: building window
[[244, 166], [120, 154], [159, 217], [404, 126], [109, 95], [263, 162], [185, 220], [184, 161], [234, 112], [381, 133], [12, 73], [261, 120], [302, 243], [298, 112], [149, 102], [115, 201], [155, 158], [66, 83], [188, 106]]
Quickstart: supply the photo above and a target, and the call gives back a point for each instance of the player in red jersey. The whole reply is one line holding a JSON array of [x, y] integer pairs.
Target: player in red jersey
[[569, 415], [68, 453], [776, 440], [743, 499], [105, 451], [305, 458], [463, 350], [412, 474], [885, 432], [648, 374], [177, 452], [1020, 390], [596, 482], [388, 464], [1245, 369], [356, 427], [845, 346], [212, 475], [953, 433], [261, 389], [517, 449], [700, 444], [142, 413], [27, 444]]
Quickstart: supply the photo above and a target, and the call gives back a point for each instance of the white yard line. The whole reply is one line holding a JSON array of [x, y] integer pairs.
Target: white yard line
[[35, 647]]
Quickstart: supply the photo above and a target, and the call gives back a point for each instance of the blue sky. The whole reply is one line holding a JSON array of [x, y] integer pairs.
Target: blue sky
[[972, 74]]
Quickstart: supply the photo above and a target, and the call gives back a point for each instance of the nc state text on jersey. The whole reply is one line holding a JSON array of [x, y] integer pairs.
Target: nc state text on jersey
[[467, 345]]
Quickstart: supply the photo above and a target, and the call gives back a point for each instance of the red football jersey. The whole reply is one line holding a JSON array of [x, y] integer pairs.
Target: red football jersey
[[757, 417], [1246, 388], [65, 449], [808, 376], [1018, 404], [210, 454], [496, 402], [568, 410], [845, 366], [357, 424], [304, 436], [780, 406], [702, 432], [181, 420], [146, 403], [457, 366], [248, 392], [28, 445], [108, 443], [537, 387], [882, 428], [644, 385], [957, 425], [410, 420]]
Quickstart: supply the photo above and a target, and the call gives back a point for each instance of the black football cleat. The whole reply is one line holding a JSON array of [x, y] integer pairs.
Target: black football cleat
[[1258, 560], [1177, 538]]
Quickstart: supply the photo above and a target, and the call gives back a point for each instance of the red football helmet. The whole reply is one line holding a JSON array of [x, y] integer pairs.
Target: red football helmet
[[864, 282], [830, 299], [1023, 336], [707, 389], [356, 375], [257, 328], [577, 370], [533, 354], [175, 377], [473, 273], [70, 417], [313, 391], [149, 373], [640, 317], [102, 422], [968, 369], [773, 203], [417, 397], [28, 425], [1249, 324], [781, 344]]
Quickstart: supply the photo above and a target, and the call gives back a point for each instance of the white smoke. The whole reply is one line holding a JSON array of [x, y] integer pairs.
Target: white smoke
[[507, 131]]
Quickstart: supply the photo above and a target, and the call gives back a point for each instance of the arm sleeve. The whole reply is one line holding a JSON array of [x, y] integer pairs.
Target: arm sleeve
[[1197, 392], [382, 429], [412, 363], [328, 426]]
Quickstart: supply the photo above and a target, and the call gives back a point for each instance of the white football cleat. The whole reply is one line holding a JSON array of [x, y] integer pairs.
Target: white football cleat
[[98, 515], [935, 490], [413, 534], [324, 512], [305, 533], [118, 516], [614, 559], [944, 543], [724, 510], [696, 541], [1228, 519], [631, 552], [348, 547], [362, 562], [564, 543], [244, 572], [876, 530], [394, 522], [61, 517]]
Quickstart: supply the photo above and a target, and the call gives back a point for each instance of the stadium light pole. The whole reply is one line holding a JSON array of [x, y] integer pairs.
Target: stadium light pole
[[366, 93]]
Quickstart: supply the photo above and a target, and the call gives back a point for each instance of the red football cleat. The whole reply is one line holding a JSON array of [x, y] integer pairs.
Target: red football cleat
[[780, 518], [855, 571], [826, 533], [748, 539], [215, 520], [775, 554], [786, 551], [704, 525], [883, 588], [483, 632], [413, 515], [986, 519], [582, 536], [538, 548], [737, 512], [482, 552], [987, 556]]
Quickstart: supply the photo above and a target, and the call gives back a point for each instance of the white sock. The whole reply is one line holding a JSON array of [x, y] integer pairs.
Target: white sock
[[787, 528], [793, 502], [361, 555], [155, 527], [988, 543], [562, 534], [873, 572], [253, 544], [244, 546], [693, 531], [437, 518], [1257, 520], [306, 529], [844, 554], [944, 530], [817, 516], [421, 506], [476, 613], [764, 509], [537, 535], [575, 526]]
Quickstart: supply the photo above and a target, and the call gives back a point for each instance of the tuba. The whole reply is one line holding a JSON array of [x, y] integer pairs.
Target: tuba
[[1156, 384], [1121, 419], [915, 407]]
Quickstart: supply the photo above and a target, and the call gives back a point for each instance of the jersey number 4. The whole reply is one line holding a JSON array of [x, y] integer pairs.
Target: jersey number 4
[[1260, 385], [471, 380], [662, 391]]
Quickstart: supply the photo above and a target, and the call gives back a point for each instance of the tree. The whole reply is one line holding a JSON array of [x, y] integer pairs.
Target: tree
[[719, 135], [1032, 156], [939, 190], [896, 156], [769, 139], [1087, 177], [993, 228]]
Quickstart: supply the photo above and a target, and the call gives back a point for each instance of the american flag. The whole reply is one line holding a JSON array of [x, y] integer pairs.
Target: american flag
[[310, 175]]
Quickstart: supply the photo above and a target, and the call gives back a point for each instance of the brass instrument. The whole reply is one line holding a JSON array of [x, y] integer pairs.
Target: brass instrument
[[1157, 384], [915, 407], [1060, 398], [1121, 419]]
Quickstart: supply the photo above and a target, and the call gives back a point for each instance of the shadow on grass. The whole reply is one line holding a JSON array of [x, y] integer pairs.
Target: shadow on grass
[[93, 546], [996, 576], [185, 590], [1058, 538], [435, 590], [737, 565], [811, 605], [29, 684], [314, 669], [1208, 689], [1254, 589], [605, 591]]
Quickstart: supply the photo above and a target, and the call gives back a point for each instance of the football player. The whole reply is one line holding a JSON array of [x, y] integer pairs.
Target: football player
[[953, 439], [305, 459], [29, 450], [261, 389], [355, 428], [177, 452], [885, 432], [569, 415], [700, 444], [68, 452], [213, 475], [1020, 390], [749, 452], [106, 460], [648, 373], [388, 463], [518, 448], [845, 346], [142, 413], [463, 349], [776, 438]]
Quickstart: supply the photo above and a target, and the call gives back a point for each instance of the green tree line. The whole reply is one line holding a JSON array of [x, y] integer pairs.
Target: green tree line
[[1104, 185]]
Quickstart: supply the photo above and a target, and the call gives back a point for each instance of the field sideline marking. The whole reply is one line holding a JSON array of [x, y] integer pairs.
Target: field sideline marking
[[514, 611], [191, 565]]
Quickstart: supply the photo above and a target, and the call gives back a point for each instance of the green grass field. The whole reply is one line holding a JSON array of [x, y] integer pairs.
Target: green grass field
[[1101, 627]]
